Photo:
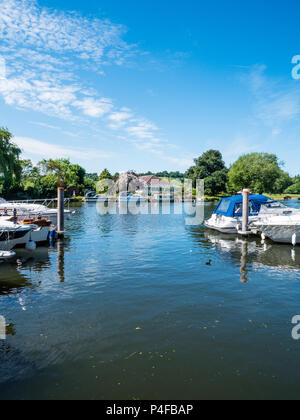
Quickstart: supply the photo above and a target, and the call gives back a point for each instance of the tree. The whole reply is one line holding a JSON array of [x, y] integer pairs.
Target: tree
[[293, 189], [10, 167], [105, 175], [63, 172], [216, 182], [210, 167], [31, 179], [261, 172], [283, 182], [102, 186]]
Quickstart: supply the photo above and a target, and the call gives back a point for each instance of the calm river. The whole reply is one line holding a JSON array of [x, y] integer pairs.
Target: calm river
[[127, 308]]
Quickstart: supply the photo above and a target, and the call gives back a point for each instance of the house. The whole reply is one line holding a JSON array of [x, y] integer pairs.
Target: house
[[158, 188]]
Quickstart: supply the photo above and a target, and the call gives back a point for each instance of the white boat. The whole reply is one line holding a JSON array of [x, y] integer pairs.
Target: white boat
[[40, 229], [227, 218], [92, 197], [126, 197], [12, 235], [268, 217], [6, 255], [25, 210], [282, 229]]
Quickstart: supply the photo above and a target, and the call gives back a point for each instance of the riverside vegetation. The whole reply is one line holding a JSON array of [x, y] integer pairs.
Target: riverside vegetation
[[261, 172]]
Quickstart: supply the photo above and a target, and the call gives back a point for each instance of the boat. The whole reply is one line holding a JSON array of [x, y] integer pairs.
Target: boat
[[281, 229], [92, 197], [37, 232], [163, 198], [40, 230], [26, 210], [6, 255], [126, 197], [227, 218], [13, 234]]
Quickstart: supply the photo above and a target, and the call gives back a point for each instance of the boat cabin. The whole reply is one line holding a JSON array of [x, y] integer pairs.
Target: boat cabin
[[233, 206]]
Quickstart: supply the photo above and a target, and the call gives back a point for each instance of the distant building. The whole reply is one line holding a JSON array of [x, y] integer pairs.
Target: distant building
[[158, 188]]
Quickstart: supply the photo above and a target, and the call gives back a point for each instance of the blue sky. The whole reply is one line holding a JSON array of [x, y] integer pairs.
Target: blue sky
[[150, 85]]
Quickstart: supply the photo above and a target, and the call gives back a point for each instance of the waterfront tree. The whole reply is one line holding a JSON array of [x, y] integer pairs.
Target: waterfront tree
[[10, 167], [261, 172], [210, 167], [102, 186]]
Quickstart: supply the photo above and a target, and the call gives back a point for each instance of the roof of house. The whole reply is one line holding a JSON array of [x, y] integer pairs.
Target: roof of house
[[154, 180]]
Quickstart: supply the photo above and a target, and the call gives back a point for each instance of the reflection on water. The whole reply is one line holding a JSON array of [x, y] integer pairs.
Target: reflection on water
[[126, 307], [61, 260], [255, 252]]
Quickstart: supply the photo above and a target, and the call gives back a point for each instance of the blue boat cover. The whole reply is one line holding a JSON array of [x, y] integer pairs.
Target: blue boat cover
[[233, 206]]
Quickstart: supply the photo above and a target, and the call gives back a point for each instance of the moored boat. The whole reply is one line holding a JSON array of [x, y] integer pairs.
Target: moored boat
[[126, 197], [12, 235], [227, 217], [281, 229], [29, 210]]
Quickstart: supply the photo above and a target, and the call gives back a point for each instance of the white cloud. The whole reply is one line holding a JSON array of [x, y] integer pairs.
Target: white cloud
[[276, 102], [118, 119], [142, 129], [45, 150], [23, 22], [44, 51], [94, 107]]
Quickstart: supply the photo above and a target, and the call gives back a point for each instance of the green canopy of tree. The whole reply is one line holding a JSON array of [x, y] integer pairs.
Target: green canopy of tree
[[261, 172], [210, 167], [105, 174], [102, 186], [65, 173], [10, 167], [293, 189]]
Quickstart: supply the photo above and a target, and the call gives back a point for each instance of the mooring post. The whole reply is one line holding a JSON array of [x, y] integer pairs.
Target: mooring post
[[246, 194], [60, 211]]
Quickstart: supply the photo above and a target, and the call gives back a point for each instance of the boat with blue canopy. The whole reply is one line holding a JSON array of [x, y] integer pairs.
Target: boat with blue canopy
[[227, 217]]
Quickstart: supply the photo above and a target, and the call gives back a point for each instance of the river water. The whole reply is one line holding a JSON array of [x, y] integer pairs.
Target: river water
[[126, 307]]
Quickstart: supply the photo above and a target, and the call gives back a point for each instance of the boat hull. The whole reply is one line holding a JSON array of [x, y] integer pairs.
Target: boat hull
[[282, 234], [12, 239]]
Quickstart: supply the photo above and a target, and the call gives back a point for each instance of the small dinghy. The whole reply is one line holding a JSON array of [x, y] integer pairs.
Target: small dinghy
[[7, 255]]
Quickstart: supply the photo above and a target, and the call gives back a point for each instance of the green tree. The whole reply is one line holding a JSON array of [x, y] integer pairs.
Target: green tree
[[105, 174], [293, 189], [216, 182], [63, 172], [210, 167], [10, 167], [31, 179], [283, 182], [261, 172], [101, 187]]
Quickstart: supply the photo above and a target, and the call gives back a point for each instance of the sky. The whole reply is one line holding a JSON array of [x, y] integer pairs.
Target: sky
[[150, 85]]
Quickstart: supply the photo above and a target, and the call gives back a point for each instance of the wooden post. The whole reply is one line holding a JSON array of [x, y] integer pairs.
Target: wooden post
[[60, 211], [246, 194]]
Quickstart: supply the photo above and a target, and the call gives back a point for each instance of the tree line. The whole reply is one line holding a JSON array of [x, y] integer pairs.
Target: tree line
[[261, 172]]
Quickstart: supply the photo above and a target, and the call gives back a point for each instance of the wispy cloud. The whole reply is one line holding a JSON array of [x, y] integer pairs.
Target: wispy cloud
[[45, 150], [44, 48], [45, 53], [276, 102]]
